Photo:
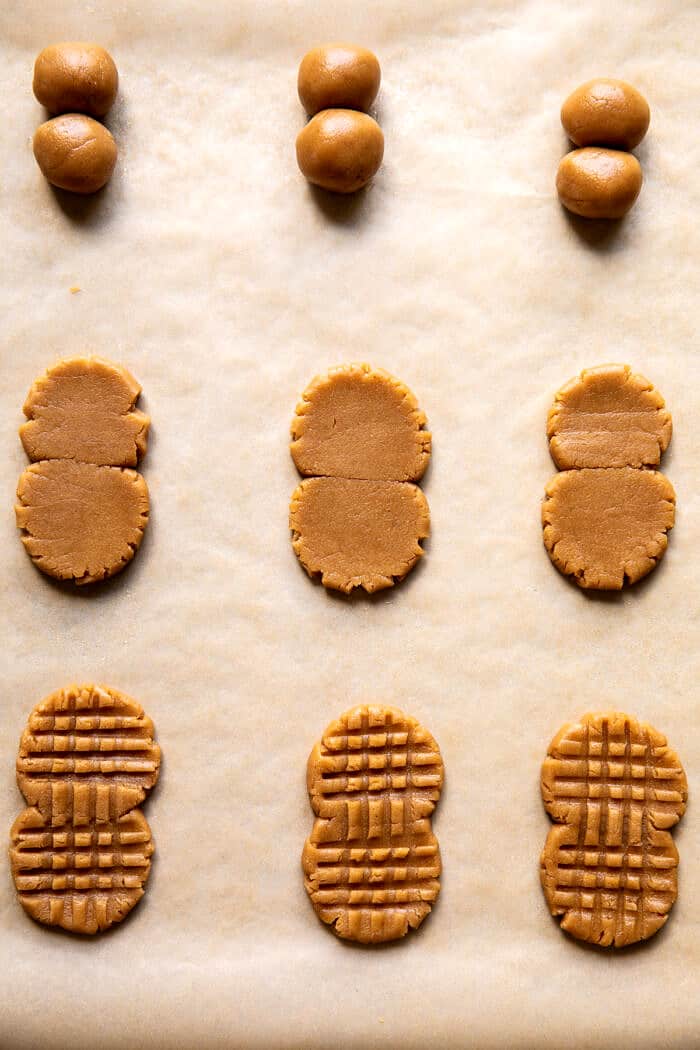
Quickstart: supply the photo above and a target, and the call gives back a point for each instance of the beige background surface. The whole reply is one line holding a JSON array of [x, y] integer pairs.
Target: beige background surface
[[210, 269]]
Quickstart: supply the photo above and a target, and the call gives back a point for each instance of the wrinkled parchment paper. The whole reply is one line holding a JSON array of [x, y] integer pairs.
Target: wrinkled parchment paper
[[212, 271]]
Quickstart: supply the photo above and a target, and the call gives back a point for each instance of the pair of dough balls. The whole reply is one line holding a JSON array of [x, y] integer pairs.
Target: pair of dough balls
[[341, 147], [78, 82], [606, 119]]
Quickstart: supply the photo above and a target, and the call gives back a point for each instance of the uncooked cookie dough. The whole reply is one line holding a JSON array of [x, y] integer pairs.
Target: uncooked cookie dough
[[372, 863], [75, 77], [340, 150], [606, 112], [75, 153], [80, 854], [614, 788], [82, 510], [360, 439], [606, 516], [599, 183], [338, 76]]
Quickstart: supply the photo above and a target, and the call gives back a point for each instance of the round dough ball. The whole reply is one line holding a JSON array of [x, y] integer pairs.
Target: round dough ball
[[340, 150], [606, 112], [76, 78], [599, 183], [338, 76], [75, 153]]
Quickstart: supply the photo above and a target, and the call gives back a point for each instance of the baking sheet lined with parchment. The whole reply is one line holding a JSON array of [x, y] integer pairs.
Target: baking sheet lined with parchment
[[212, 271]]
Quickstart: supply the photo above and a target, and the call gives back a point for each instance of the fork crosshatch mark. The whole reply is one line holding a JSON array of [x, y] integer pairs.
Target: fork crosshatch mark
[[609, 865], [80, 854], [371, 864]]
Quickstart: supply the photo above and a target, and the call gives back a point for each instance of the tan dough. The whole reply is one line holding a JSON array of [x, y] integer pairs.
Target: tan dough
[[358, 533], [84, 409], [608, 416], [599, 183], [358, 519], [606, 112], [338, 76], [80, 854], [76, 77], [82, 522], [340, 150], [606, 528], [372, 863], [83, 514], [606, 521], [608, 867], [75, 153]]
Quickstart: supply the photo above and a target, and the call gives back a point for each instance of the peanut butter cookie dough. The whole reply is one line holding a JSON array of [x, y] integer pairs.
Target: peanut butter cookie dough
[[80, 854], [75, 153], [342, 147], [372, 863], [75, 77], [607, 118], [614, 788], [82, 510], [358, 518], [607, 515]]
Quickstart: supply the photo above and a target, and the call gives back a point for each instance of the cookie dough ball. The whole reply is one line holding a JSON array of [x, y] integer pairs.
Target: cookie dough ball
[[75, 153], [81, 522], [606, 112], [340, 150], [599, 183], [607, 527], [338, 76], [76, 78]]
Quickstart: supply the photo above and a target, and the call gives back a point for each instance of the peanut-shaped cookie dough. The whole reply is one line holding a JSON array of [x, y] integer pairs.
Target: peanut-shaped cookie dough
[[80, 854], [76, 77], [607, 118], [358, 518], [81, 508], [341, 148], [614, 789], [607, 514], [372, 863]]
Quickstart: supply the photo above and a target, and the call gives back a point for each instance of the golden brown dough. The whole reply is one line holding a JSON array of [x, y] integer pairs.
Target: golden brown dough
[[614, 788], [75, 77], [84, 409], [340, 150], [608, 416], [81, 522], [360, 422], [599, 183], [75, 153], [83, 514], [338, 76], [358, 519], [607, 527], [606, 112], [372, 863], [358, 533], [606, 521], [80, 854]]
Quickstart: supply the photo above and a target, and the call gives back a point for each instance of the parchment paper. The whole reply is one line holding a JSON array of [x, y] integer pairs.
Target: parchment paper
[[224, 283]]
